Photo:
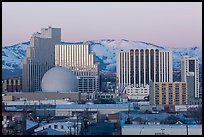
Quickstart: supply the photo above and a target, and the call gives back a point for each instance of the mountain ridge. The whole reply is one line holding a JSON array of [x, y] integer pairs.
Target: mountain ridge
[[104, 49]]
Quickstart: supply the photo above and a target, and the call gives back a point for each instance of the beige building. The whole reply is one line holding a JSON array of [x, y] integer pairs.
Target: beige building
[[12, 85], [78, 58], [164, 93], [39, 57]]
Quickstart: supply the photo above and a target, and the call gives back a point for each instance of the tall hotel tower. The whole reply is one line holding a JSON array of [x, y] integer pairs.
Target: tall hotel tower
[[136, 67], [78, 58], [39, 57], [190, 67]]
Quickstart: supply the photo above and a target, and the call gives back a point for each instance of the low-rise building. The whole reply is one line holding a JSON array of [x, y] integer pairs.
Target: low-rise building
[[113, 118], [12, 84], [15, 122], [161, 130], [175, 93], [49, 131], [137, 93], [68, 128], [138, 121]]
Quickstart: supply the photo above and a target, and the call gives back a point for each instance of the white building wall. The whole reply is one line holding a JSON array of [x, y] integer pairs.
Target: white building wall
[[157, 130], [165, 63], [78, 58], [185, 71], [137, 93]]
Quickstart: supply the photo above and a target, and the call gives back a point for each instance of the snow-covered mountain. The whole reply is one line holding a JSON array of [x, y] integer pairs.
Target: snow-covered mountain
[[12, 56], [178, 52], [105, 50]]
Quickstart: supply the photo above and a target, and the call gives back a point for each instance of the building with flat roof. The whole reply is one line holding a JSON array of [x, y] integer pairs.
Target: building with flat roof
[[190, 66], [77, 57], [166, 93], [161, 130], [43, 96], [12, 84], [39, 57], [191, 90], [68, 128], [136, 67]]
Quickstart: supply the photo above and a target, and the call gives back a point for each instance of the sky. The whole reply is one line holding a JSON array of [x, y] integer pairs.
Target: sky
[[170, 24]]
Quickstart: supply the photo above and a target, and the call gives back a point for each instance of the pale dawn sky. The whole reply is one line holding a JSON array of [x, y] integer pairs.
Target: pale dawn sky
[[166, 24]]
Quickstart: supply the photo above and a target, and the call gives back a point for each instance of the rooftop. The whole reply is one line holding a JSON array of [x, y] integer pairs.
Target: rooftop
[[161, 126], [93, 106]]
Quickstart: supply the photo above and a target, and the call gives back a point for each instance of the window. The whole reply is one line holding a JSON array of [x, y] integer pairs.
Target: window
[[8, 117], [55, 126], [49, 126], [62, 127]]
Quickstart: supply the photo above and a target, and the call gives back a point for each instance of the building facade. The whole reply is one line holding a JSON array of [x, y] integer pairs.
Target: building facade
[[39, 57], [161, 130], [78, 58], [12, 85], [13, 121], [137, 93], [190, 65], [168, 93], [190, 79], [136, 67]]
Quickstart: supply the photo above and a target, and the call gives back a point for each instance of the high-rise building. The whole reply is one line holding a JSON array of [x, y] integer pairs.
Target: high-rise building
[[190, 66], [39, 57], [136, 67], [190, 79], [166, 93], [78, 58]]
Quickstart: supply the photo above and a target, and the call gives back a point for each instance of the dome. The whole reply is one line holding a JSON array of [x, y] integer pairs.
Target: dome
[[59, 79]]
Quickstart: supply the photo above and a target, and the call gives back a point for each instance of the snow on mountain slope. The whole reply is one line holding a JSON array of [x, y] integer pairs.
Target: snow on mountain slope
[[105, 51], [193, 52], [12, 56]]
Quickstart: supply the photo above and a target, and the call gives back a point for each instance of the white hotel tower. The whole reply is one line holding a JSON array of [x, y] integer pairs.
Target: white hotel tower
[[78, 58], [136, 67], [39, 57], [190, 66]]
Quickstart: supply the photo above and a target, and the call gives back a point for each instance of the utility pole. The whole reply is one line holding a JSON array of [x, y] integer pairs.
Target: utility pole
[[70, 130], [77, 124], [128, 110], [74, 128], [85, 122], [187, 119]]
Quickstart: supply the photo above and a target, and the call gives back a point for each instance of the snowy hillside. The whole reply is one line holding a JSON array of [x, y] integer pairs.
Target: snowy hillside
[[12, 56], [178, 52], [105, 50]]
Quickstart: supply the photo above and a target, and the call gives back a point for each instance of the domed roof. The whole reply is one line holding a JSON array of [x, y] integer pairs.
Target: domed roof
[[59, 79]]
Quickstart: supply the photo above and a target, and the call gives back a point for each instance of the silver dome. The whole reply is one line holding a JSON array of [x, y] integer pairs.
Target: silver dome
[[59, 79]]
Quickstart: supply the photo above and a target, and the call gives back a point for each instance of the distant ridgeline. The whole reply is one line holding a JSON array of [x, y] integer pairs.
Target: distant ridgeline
[[105, 51]]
